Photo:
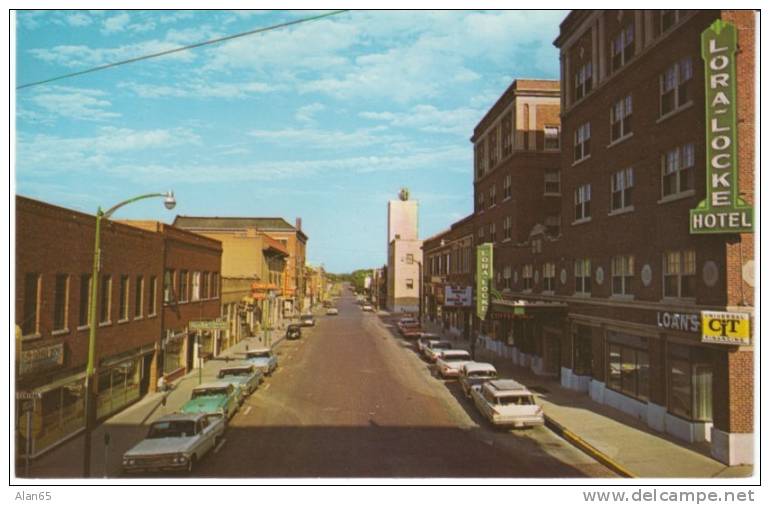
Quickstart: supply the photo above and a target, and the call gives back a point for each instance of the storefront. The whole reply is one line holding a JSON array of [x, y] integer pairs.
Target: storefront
[[174, 354], [122, 380]]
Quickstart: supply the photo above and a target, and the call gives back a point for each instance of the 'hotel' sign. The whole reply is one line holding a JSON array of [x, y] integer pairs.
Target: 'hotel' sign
[[723, 211]]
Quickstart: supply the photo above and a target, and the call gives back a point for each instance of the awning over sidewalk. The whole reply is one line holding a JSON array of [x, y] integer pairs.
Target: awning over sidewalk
[[526, 309]]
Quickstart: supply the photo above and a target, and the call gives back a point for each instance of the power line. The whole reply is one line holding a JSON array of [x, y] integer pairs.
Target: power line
[[183, 48]]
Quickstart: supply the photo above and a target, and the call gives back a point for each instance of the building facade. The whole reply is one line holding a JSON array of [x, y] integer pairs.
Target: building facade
[[54, 263], [404, 255]]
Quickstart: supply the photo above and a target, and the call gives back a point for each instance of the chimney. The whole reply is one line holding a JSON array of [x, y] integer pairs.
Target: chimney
[[298, 223]]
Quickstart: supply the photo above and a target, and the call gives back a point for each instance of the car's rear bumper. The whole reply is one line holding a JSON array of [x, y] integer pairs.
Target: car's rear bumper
[[517, 421]]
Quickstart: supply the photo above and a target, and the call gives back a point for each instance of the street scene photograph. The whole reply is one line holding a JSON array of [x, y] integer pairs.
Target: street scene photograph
[[384, 246]]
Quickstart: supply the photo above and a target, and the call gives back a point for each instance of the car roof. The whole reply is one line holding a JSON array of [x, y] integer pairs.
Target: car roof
[[475, 366], [507, 386], [259, 349], [443, 342], [206, 385], [237, 364], [181, 416], [455, 352]]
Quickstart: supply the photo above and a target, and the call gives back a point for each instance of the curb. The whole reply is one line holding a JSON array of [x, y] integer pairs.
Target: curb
[[587, 448]]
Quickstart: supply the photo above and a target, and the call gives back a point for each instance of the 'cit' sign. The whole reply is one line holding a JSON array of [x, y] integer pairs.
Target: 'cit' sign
[[723, 211], [726, 328]]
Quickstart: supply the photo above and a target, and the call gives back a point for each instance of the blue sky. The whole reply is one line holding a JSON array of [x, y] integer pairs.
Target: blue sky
[[324, 120]]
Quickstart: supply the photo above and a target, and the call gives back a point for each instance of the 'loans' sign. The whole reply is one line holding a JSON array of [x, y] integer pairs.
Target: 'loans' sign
[[723, 211]]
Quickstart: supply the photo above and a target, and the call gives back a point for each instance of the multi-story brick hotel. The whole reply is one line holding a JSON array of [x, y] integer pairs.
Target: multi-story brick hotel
[[625, 264]]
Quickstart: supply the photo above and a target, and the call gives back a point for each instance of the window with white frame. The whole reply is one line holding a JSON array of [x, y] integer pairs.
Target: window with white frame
[[551, 137], [481, 201], [526, 276], [480, 160], [679, 274], [676, 86], [549, 277], [582, 202], [678, 165], [582, 142], [492, 232], [196, 287], [620, 118], [583, 80], [481, 235], [583, 276], [492, 147], [492, 195], [621, 187], [507, 277], [506, 130], [622, 47], [507, 187], [622, 273], [507, 228], [552, 181]]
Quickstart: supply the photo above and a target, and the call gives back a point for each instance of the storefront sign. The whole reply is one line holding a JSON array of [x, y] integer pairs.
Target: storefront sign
[[726, 328], [207, 325], [458, 296], [484, 275], [679, 321], [41, 358], [723, 211]]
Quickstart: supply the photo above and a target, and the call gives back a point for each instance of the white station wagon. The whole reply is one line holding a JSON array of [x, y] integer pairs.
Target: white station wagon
[[507, 403], [450, 362]]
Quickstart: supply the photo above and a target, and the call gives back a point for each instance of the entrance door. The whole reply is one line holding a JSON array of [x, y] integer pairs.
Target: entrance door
[[144, 381]]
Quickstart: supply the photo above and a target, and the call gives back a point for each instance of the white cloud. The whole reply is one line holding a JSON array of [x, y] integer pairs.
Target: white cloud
[[78, 19], [198, 89], [325, 138], [116, 23], [74, 103], [430, 119], [305, 113]]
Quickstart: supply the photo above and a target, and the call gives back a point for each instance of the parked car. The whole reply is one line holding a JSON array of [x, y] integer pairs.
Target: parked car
[[450, 361], [367, 308], [214, 398], [507, 403], [332, 311], [264, 359], [473, 375], [175, 442], [424, 340], [412, 332], [244, 375], [406, 322], [293, 332], [307, 320], [432, 349]]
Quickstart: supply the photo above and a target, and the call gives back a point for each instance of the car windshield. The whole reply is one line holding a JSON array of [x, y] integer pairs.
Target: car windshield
[[482, 373], [454, 357], [172, 429], [200, 393], [516, 400], [234, 372]]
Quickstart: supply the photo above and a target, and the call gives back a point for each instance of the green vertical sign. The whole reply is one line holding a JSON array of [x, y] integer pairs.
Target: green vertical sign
[[723, 211], [483, 278]]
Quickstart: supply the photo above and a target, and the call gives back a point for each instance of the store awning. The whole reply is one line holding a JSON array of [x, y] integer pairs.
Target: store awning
[[525, 309]]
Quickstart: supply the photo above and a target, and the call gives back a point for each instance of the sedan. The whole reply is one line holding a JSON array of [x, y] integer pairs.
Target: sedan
[[243, 375], [214, 398], [264, 359], [432, 349], [332, 311], [473, 375], [450, 362]]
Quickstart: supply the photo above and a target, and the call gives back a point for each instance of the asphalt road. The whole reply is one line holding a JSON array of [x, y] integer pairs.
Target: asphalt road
[[351, 399]]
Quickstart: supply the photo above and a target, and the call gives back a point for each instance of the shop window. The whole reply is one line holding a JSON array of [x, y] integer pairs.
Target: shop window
[[620, 118], [123, 298], [679, 274], [105, 299], [583, 352], [151, 304], [690, 382], [678, 165], [676, 86], [60, 298], [629, 371], [30, 317], [582, 142], [85, 300]]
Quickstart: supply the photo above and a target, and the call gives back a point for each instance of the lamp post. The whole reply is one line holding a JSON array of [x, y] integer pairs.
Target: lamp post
[[170, 203]]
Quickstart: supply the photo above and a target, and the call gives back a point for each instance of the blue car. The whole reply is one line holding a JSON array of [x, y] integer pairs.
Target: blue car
[[263, 359]]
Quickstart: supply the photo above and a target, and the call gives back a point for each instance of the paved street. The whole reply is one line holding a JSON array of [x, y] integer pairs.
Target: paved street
[[352, 400]]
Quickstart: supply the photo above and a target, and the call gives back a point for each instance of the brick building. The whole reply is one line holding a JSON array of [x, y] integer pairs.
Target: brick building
[[54, 262], [621, 302]]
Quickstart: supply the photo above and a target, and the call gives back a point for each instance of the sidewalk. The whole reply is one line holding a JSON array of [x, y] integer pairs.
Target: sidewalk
[[130, 425], [624, 442]]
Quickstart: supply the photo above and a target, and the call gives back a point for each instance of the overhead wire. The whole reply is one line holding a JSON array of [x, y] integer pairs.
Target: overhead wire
[[183, 48]]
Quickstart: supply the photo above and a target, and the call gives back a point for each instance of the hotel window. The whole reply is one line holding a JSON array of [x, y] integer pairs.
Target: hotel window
[[215, 285], [675, 86], [183, 282], [622, 47], [629, 371], [492, 232], [480, 159], [582, 142], [526, 276], [552, 181], [151, 308], [507, 278], [139, 297], [551, 136], [105, 299], [583, 276], [492, 196], [123, 298], [679, 274], [31, 318], [677, 170], [622, 273], [60, 298], [85, 300], [507, 228], [621, 186], [549, 277], [620, 118], [553, 225], [668, 18], [481, 235], [492, 146], [583, 80], [481, 201], [196, 287], [582, 202], [507, 187], [690, 383], [168, 286], [410, 284], [506, 135]]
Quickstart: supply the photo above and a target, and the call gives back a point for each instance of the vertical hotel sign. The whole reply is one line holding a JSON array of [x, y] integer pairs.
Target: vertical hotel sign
[[483, 278], [722, 211]]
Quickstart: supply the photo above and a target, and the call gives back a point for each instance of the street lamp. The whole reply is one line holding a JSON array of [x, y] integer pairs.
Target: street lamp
[[169, 202]]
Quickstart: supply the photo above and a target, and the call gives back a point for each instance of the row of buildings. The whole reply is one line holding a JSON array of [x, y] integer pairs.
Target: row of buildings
[[169, 297], [617, 204]]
